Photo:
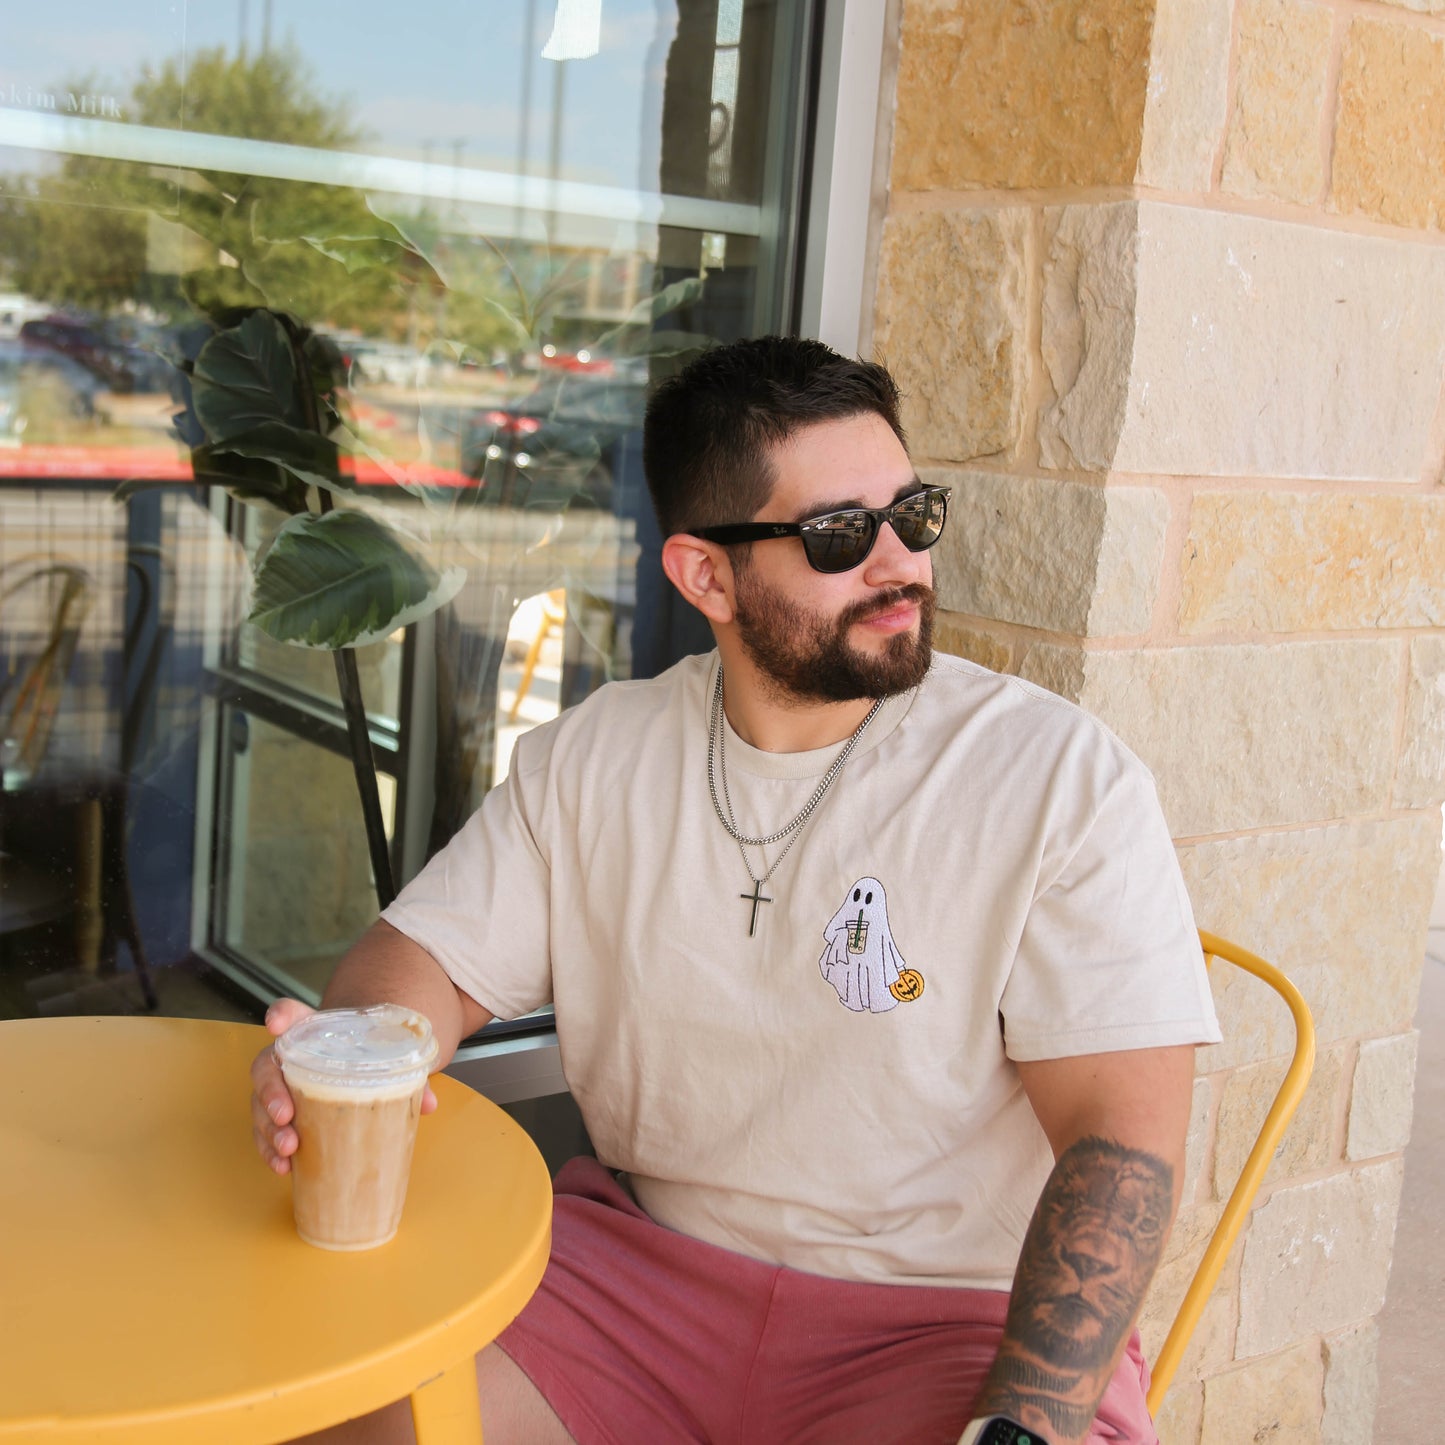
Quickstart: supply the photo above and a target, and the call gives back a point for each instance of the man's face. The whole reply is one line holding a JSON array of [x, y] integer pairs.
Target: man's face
[[840, 636]]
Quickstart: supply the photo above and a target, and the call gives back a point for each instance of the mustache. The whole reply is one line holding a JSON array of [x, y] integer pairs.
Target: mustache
[[923, 597]]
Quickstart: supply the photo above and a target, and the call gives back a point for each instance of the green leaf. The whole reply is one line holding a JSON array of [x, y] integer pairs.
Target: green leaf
[[395, 473], [680, 293], [360, 253], [519, 324], [307, 455], [205, 213], [342, 580], [248, 479], [214, 290], [364, 240], [666, 343], [245, 377]]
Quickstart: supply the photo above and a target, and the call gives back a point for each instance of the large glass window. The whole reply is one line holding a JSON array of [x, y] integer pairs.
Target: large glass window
[[272, 272]]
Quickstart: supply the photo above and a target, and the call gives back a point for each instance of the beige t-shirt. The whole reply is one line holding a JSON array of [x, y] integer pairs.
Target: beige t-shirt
[[989, 878]]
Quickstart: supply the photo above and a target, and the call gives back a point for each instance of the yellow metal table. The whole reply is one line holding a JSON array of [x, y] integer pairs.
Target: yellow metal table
[[153, 1288]]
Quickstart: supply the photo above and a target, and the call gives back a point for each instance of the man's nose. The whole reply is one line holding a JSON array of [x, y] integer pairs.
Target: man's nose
[[890, 563]]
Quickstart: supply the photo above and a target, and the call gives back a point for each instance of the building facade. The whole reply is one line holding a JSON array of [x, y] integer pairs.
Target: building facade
[[1163, 283], [1182, 264]]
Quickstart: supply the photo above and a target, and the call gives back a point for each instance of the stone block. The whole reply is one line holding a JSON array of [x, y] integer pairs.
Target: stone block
[[1351, 1385], [1250, 736], [953, 635], [951, 327], [1020, 96], [1309, 1142], [1181, 1414], [1389, 160], [1060, 669], [1188, 94], [1382, 1097], [1131, 556], [1420, 777], [1211, 1346], [1196, 1144], [1274, 147], [1342, 909], [1317, 1258], [1311, 561], [1422, 7], [1181, 341], [1041, 552], [1091, 276], [1279, 1399]]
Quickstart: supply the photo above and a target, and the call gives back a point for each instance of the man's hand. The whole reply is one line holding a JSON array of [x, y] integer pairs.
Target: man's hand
[[1117, 1124], [272, 1108], [383, 966]]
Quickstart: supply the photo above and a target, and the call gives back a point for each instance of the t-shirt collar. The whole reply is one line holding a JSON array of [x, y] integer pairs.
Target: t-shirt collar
[[745, 758]]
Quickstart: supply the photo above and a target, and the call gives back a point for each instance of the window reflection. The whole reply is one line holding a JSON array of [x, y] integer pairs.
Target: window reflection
[[485, 232]]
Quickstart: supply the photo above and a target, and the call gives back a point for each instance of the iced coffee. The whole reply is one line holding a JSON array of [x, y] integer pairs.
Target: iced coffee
[[357, 1077]]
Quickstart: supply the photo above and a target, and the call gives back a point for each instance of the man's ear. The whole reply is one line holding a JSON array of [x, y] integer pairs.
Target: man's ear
[[702, 573]]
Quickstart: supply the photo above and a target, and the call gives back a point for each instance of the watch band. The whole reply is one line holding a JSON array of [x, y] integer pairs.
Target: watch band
[[999, 1430]]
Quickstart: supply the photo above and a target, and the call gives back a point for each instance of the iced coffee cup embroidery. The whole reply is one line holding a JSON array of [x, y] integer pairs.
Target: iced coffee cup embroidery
[[860, 958]]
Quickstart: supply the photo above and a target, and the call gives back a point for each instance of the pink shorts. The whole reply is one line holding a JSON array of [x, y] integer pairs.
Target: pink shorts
[[639, 1333]]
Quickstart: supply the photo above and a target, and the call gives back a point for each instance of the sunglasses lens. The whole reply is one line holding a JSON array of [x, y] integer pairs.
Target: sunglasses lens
[[918, 520], [841, 541]]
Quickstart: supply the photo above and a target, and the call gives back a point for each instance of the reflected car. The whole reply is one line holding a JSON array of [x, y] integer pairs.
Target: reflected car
[[119, 365], [39, 371], [557, 445]]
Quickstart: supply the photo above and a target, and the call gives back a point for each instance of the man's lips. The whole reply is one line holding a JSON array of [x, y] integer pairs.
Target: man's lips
[[895, 611], [893, 618]]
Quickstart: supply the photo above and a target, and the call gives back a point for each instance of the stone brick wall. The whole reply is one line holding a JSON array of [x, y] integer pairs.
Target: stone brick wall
[[1164, 281]]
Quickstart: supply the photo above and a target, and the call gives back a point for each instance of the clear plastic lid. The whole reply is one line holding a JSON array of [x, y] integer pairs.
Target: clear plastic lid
[[360, 1046]]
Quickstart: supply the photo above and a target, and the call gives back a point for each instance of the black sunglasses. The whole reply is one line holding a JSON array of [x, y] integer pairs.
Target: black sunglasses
[[839, 541]]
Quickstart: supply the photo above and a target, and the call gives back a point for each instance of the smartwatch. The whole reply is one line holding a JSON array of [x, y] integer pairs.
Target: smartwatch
[[999, 1430]]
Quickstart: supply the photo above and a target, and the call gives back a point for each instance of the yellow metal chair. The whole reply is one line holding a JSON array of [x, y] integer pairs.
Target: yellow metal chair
[[554, 617], [1286, 1101]]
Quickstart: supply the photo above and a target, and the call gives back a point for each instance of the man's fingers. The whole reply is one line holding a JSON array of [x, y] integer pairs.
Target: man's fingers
[[266, 1147], [285, 1012], [272, 1108], [270, 1098]]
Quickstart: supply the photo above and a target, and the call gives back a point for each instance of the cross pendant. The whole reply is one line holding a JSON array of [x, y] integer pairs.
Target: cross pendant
[[755, 897]]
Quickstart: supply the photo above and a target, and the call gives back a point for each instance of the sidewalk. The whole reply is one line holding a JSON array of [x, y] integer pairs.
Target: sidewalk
[[1412, 1380]]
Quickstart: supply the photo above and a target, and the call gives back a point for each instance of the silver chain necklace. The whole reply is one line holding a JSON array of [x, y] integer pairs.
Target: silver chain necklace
[[717, 768]]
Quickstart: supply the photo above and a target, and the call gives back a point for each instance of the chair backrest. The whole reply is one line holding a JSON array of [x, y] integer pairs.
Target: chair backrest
[[1286, 1101], [30, 694]]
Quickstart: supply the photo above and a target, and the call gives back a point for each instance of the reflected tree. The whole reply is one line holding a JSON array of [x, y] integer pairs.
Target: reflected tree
[[270, 269]]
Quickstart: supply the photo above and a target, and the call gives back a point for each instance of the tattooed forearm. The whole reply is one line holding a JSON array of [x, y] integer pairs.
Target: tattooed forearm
[[1087, 1259]]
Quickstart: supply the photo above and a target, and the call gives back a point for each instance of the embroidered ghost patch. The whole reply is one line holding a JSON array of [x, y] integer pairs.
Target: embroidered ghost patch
[[859, 957]]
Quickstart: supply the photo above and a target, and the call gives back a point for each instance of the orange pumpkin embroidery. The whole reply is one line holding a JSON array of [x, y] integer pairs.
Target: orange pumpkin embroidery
[[907, 986]]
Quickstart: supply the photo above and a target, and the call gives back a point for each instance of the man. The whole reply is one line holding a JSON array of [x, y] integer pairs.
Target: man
[[899, 1119]]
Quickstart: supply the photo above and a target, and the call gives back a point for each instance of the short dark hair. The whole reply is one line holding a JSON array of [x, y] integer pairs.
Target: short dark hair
[[709, 430]]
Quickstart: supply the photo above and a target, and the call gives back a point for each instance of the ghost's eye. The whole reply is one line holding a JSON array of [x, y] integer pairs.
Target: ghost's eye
[[857, 893], [868, 899]]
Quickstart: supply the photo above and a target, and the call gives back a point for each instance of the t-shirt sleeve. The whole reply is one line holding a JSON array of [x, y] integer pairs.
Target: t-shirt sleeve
[[1109, 958], [481, 906]]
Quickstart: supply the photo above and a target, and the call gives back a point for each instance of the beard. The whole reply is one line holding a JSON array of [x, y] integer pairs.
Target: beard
[[808, 655]]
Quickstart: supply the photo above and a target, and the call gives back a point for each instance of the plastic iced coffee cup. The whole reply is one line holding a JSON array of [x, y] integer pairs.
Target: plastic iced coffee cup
[[357, 1077]]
